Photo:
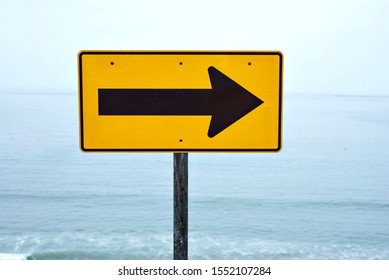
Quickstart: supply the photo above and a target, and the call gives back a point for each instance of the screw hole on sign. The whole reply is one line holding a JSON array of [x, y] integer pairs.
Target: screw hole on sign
[[112, 63], [181, 140], [249, 63], [180, 62]]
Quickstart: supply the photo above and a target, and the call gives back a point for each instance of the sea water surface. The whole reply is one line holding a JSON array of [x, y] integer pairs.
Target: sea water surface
[[324, 196]]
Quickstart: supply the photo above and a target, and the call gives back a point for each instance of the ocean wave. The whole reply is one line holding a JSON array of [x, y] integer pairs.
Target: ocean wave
[[257, 249], [147, 247]]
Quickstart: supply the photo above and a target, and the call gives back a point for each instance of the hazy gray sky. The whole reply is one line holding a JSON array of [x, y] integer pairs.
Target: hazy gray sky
[[329, 46]]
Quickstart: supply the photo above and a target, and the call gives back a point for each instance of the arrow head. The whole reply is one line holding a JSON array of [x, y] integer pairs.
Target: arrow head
[[231, 102]]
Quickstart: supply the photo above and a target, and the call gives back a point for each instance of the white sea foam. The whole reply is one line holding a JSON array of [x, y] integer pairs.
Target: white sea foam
[[5, 256]]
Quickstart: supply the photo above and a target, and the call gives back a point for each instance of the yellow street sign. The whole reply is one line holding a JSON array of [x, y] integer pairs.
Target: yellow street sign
[[180, 101]]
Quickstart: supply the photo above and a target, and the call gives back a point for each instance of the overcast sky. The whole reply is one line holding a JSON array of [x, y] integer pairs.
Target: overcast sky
[[330, 46]]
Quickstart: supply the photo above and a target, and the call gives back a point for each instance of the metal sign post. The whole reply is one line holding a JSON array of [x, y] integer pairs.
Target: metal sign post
[[180, 200]]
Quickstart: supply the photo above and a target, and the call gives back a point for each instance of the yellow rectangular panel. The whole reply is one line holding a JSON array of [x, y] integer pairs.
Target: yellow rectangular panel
[[180, 101]]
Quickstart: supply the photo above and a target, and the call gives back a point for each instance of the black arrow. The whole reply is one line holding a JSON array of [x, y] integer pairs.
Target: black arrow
[[227, 102]]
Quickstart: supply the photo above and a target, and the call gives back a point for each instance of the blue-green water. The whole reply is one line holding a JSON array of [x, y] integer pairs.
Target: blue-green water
[[324, 196]]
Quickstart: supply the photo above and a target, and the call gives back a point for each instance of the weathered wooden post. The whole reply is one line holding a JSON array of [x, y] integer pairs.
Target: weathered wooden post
[[180, 194]]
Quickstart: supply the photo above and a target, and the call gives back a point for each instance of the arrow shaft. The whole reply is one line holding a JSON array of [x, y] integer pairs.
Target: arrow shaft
[[155, 101]]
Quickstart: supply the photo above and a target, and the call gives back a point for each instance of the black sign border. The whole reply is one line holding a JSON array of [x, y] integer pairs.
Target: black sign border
[[80, 87]]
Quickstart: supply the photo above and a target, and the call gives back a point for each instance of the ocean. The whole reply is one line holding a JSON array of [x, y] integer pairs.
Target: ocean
[[324, 196]]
